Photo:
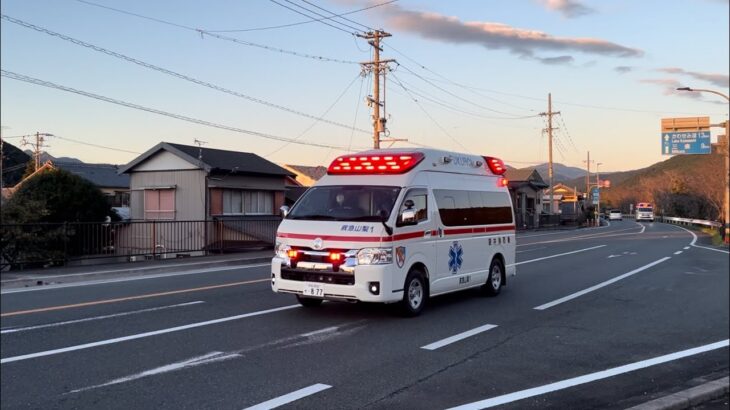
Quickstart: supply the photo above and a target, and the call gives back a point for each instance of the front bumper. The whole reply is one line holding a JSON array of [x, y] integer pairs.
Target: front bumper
[[338, 285]]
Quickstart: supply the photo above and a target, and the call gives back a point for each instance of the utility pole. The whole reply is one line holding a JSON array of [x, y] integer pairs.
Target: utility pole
[[550, 129], [378, 67], [37, 148], [588, 173]]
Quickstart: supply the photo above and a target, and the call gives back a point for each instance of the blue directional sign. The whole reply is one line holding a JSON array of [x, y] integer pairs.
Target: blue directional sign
[[694, 142], [595, 195]]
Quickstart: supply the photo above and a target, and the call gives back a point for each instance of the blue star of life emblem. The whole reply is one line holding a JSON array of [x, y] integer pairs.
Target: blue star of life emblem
[[456, 257]]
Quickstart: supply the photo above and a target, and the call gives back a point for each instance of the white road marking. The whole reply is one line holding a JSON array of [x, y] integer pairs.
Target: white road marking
[[587, 236], [694, 239], [556, 256], [530, 250], [686, 247], [129, 279], [678, 252], [600, 285], [195, 361], [613, 256], [68, 322], [456, 338], [288, 398], [575, 381], [136, 269], [142, 335]]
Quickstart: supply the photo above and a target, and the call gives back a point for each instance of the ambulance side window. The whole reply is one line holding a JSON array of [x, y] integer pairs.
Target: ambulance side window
[[414, 208]]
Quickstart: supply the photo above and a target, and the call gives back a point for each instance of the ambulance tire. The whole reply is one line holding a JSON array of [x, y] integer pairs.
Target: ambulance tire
[[415, 294], [495, 278], [309, 302]]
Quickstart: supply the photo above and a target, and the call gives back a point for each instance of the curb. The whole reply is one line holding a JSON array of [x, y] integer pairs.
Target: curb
[[688, 398]]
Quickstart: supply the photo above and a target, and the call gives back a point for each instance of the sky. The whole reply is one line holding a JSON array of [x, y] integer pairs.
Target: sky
[[110, 79]]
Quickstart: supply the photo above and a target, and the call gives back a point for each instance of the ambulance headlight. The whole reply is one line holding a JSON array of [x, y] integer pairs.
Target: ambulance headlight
[[375, 256], [282, 250]]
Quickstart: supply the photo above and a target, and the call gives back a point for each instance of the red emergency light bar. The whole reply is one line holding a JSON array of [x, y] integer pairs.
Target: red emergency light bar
[[390, 163], [495, 165]]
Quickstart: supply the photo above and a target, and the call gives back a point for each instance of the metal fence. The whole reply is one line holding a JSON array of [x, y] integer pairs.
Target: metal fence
[[43, 244]]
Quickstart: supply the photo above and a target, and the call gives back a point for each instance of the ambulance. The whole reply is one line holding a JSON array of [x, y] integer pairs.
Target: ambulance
[[398, 226], [644, 212]]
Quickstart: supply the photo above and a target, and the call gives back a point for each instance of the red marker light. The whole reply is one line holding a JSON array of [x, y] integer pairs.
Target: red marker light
[[503, 182], [335, 256], [495, 165], [292, 254], [365, 164]]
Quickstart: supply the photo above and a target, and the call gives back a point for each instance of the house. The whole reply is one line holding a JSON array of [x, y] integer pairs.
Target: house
[[305, 176], [526, 187], [562, 194], [106, 177], [183, 182]]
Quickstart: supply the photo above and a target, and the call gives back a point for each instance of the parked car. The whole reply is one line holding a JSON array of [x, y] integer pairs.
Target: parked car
[[615, 214]]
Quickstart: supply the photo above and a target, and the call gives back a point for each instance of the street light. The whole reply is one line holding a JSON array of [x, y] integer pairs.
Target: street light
[[598, 201], [726, 204]]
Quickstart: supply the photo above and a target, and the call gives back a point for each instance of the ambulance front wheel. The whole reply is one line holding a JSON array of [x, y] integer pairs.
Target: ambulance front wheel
[[494, 279], [415, 294]]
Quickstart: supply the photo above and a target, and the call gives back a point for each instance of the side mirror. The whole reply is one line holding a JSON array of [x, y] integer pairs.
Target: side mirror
[[284, 211], [408, 217]]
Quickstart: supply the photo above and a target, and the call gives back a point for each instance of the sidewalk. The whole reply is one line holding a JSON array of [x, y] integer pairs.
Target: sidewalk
[[69, 274]]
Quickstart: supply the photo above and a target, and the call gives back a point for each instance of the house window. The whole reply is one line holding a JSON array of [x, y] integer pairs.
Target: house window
[[242, 202], [159, 204]]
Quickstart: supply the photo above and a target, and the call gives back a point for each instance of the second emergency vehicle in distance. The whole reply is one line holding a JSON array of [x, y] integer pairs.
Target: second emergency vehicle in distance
[[644, 212], [397, 225]]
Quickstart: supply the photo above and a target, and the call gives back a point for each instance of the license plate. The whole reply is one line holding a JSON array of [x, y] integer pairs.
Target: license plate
[[313, 289]]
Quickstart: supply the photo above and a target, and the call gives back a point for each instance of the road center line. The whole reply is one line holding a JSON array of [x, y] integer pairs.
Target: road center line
[[88, 319], [556, 256], [143, 335], [678, 252], [595, 235], [575, 381], [124, 299], [600, 285], [456, 338], [129, 279], [288, 398]]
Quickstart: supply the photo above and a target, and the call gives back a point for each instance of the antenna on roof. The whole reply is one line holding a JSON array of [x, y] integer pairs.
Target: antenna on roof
[[200, 144]]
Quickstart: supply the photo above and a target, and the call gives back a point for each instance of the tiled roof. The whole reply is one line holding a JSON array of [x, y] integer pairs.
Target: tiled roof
[[101, 175], [312, 172]]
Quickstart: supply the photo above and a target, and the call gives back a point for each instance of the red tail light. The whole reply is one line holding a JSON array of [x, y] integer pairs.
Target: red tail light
[[495, 165], [503, 182], [390, 163]]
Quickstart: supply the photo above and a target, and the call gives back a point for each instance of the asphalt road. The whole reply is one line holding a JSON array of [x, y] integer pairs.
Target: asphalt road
[[605, 317]]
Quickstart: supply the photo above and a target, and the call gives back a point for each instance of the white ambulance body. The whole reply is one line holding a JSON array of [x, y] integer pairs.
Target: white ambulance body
[[644, 211], [397, 225]]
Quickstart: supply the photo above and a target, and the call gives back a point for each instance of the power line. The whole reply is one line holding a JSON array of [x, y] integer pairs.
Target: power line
[[27, 79], [340, 16], [339, 97], [423, 67], [302, 22], [172, 73], [222, 37], [357, 109], [429, 115], [313, 18], [431, 83], [95, 145]]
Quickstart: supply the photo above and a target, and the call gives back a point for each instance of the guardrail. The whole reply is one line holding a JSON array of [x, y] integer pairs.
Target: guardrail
[[689, 222]]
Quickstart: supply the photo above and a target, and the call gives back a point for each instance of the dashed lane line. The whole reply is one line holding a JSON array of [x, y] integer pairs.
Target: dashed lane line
[[290, 397], [458, 337], [556, 256]]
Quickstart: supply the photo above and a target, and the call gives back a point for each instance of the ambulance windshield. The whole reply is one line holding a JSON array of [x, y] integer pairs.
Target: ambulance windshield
[[346, 203]]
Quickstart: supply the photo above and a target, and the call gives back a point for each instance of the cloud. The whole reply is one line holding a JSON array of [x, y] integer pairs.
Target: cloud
[[497, 36], [720, 80], [568, 8], [560, 60], [623, 69]]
